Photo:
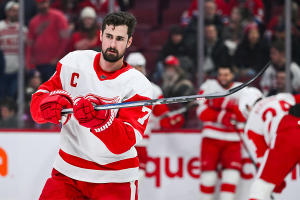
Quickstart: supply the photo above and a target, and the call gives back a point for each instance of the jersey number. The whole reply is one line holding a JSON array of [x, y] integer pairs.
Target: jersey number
[[284, 106], [143, 119]]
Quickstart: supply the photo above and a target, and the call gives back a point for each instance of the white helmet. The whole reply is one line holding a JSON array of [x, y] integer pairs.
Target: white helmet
[[137, 59], [248, 97]]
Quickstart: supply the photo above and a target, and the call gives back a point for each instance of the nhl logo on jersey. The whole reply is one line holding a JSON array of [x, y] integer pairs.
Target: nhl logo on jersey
[[103, 77]]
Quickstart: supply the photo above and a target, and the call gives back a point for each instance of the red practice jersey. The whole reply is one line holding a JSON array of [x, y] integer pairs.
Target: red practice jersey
[[212, 111], [263, 121], [109, 154]]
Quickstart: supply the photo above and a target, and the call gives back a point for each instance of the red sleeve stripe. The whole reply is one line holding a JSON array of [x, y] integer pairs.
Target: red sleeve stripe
[[86, 164]]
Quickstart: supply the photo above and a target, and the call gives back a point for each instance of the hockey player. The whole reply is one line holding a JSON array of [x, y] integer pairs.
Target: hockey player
[[97, 158], [272, 134], [220, 140], [138, 61]]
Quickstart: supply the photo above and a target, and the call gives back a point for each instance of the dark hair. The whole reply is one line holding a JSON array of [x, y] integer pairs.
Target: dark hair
[[210, 24], [91, 32], [120, 18], [226, 67], [282, 70], [176, 30], [9, 103], [278, 45]]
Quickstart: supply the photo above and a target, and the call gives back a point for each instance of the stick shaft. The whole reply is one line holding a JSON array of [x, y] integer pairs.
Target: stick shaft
[[174, 99]]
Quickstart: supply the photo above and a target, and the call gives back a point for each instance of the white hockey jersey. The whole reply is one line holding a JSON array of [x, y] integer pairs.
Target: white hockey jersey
[[9, 44], [109, 155], [263, 122], [212, 111]]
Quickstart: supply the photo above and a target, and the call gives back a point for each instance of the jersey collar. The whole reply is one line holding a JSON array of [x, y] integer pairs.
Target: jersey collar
[[104, 75]]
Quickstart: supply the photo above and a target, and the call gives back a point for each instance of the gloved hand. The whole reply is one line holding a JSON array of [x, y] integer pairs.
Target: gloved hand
[[280, 187], [175, 121], [52, 105], [87, 116], [228, 119]]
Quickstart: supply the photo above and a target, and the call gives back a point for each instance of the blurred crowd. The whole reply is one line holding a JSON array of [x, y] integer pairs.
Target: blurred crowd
[[242, 34]]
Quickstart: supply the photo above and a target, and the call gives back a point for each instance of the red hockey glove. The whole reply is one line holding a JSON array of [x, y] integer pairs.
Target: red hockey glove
[[228, 118], [52, 105], [87, 116], [280, 187], [175, 121]]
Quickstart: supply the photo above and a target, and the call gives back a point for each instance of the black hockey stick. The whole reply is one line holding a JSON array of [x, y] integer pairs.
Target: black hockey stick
[[174, 99]]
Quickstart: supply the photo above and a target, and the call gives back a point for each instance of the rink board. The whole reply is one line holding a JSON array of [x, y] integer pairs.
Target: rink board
[[26, 160]]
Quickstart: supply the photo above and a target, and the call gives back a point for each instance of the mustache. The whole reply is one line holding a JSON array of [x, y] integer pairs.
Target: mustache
[[112, 49]]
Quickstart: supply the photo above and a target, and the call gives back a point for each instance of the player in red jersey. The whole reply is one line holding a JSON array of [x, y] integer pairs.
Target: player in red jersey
[[272, 131], [138, 61], [220, 140], [97, 158]]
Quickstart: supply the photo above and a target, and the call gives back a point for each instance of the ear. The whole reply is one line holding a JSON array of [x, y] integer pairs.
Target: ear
[[101, 36], [129, 42]]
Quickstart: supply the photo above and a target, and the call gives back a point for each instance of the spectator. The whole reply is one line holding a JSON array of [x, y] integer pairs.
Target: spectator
[[278, 20], [47, 39], [8, 109], [281, 83], [33, 84], [224, 7], [210, 17], [277, 55], [216, 53], [71, 10], [100, 6], [233, 31], [252, 54], [9, 44], [29, 10], [277, 33], [88, 35], [175, 45], [175, 83]]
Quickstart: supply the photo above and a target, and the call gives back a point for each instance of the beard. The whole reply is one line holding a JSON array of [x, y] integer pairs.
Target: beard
[[113, 57]]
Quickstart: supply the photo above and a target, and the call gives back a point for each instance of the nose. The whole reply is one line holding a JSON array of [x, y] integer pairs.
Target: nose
[[113, 43]]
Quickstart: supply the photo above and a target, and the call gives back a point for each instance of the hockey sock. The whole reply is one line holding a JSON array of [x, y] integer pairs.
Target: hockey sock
[[261, 190], [208, 181], [230, 179]]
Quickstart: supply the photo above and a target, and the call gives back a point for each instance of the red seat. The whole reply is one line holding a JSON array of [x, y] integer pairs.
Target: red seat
[[172, 16], [149, 4], [138, 42], [277, 10], [146, 19], [157, 39], [184, 4]]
